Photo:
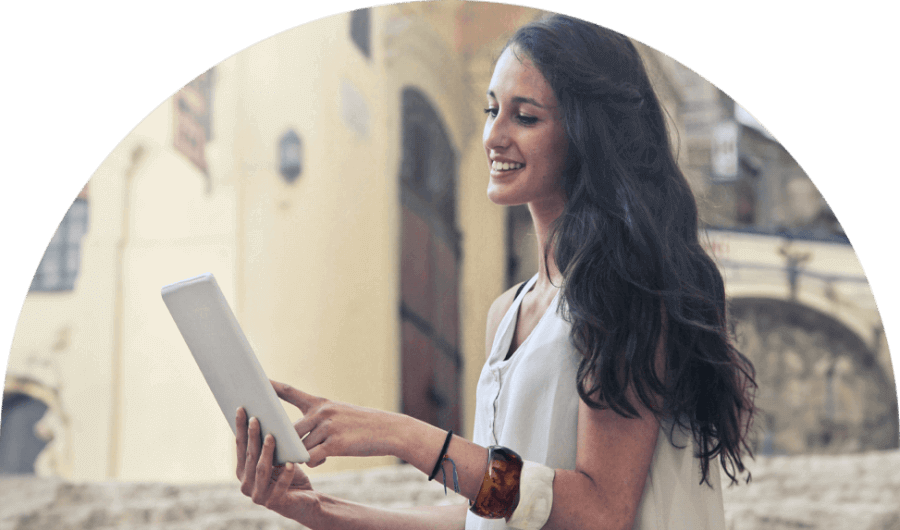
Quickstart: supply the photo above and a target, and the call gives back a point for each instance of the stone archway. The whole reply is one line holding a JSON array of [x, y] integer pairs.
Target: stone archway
[[821, 390]]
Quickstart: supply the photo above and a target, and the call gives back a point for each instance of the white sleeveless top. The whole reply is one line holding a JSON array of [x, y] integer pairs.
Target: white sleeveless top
[[529, 403]]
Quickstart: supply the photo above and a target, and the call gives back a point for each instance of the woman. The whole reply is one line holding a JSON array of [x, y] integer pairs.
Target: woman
[[610, 372]]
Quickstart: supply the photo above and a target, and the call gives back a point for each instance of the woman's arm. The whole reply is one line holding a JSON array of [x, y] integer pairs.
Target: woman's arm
[[344, 515], [611, 467], [337, 429], [291, 494], [612, 463], [602, 492]]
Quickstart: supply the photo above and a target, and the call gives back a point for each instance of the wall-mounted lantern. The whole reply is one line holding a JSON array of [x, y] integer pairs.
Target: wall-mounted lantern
[[290, 151]]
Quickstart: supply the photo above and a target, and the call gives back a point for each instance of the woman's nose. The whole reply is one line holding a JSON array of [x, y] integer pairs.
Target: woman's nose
[[496, 134]]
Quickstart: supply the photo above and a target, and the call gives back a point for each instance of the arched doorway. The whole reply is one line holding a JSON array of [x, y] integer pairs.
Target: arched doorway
[[821, 389], [431, 364], [19, 445]]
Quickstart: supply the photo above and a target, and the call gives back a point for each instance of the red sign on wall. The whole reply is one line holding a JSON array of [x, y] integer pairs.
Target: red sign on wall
[[192, 119]]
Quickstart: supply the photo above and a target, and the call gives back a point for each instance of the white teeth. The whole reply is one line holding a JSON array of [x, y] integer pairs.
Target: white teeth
[[505, 166]]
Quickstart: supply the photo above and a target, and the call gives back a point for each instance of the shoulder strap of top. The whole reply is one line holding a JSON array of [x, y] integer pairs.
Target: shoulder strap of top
[[519, 290]]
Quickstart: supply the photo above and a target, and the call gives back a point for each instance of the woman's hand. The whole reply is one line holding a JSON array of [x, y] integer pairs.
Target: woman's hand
[[283, 489], [329, 428]]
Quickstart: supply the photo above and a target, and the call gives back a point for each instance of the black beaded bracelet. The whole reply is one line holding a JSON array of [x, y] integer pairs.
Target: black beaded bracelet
[[440, 459]]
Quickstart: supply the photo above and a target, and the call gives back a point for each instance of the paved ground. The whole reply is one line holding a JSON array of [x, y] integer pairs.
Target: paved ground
[[810, 492], [819, 492]]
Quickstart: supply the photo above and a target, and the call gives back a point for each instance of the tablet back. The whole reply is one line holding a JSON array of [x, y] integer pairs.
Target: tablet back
[[227, 362]]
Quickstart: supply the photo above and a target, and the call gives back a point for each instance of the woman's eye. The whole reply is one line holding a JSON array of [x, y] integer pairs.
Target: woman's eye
[[521, 118]]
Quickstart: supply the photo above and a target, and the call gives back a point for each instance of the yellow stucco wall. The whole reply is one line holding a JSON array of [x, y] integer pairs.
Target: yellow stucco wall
[[318, 281], [310, 268]]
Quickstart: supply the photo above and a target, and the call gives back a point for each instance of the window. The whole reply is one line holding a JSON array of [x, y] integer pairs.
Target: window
[[428, 166], [59, 267], [360, 30]]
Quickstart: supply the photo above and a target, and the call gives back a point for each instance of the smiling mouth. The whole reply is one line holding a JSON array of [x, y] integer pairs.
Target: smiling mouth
[[505, 166]]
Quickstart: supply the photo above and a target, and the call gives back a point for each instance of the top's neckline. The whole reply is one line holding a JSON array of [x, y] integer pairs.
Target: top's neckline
[[514, 320]]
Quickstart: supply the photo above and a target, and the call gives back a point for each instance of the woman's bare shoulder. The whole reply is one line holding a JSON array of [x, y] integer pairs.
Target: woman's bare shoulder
[[495, 314]]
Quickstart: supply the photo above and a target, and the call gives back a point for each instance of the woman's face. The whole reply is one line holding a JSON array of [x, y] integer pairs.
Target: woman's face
[[524, 137]]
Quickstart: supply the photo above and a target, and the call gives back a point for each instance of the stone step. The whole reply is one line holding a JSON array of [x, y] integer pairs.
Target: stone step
[[814, 492], [30, 503]]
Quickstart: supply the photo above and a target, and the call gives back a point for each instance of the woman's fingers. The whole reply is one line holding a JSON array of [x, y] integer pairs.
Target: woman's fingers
[[253, 440], [305, 425], [315, 436], [317, 456], [283, 483], [264, 471], [313, 427], [314, 431], [253, 450], [330, 428], [267, 485], [240, 422], [297, 398]]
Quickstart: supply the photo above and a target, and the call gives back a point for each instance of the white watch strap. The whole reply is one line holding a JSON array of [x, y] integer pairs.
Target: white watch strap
[[535, 497]]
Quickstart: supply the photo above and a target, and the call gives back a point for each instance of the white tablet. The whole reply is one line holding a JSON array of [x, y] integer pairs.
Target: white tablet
[[230, 367]]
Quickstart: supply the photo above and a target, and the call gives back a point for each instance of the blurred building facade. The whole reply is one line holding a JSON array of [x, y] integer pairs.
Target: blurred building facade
[[799, 299], [333, 179]]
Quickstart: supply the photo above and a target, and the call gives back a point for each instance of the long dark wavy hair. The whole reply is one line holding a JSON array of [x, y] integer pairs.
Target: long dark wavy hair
[[627, 244]]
